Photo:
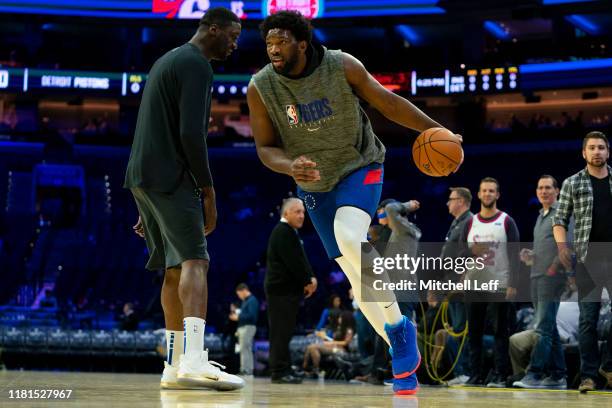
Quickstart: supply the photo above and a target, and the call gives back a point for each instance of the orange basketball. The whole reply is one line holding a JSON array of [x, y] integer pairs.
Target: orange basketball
[[437, 152]]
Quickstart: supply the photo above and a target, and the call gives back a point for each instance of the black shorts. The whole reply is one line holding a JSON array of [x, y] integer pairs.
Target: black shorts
[[173, 225]]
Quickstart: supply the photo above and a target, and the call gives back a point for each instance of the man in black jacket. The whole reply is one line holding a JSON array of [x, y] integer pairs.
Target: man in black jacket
[[289, 276], [169, 177]]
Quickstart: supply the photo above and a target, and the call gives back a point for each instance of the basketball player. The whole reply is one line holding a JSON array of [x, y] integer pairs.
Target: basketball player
[[168, 173], [309, 96]]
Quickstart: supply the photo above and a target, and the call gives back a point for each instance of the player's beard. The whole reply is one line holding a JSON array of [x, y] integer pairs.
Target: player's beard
[[601, 163], [288, 66], [490, 205]]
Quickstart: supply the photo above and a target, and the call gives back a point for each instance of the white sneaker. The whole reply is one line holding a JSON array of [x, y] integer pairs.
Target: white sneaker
[[169, 380], [200, 372], [459, 380]]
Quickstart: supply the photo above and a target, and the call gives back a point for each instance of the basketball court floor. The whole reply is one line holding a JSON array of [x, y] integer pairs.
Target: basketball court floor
[[141, 390]]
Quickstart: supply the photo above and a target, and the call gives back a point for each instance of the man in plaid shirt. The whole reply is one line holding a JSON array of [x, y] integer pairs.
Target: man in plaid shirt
[[588, 196]]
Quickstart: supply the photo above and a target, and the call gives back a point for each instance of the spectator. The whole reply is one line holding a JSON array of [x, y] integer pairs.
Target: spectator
[[337, 344], [247, 326], [288, 279], [129, 319], [547, 284], [364, 330], [487, 235], [49, 300], [522, 344], [329, 316], [588, 196], [459, 202]]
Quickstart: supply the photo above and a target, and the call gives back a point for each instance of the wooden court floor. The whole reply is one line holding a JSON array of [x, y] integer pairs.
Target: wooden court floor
[[140, 390]]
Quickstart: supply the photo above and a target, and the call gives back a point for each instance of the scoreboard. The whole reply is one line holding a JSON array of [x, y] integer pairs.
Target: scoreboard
[[111, 84], [465, 81]]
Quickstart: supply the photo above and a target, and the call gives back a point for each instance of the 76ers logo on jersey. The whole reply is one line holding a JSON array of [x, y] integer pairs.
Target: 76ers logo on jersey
[[292, 114]]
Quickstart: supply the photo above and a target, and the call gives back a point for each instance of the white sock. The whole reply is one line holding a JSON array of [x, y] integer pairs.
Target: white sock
[[174, 346], [371, 310], [392, 312], [350, 229], [194, 336]]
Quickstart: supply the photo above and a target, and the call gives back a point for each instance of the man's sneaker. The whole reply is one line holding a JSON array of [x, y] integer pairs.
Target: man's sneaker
[[475, 381], [287, 379], [404, 351], [458, 380], [496, 382], [169, 381], [528, 381], [406, 385], [607, 375], [587, 385], [200, 372], [551, 383]]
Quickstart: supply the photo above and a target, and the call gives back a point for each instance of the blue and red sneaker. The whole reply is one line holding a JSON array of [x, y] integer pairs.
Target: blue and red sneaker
[[405, 354], [406, 386]]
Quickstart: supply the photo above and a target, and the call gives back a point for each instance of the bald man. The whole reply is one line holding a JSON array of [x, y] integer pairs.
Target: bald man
[[289, 277]]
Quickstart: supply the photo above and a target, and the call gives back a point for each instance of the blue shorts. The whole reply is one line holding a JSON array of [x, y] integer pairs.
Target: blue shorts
[[361, 189]]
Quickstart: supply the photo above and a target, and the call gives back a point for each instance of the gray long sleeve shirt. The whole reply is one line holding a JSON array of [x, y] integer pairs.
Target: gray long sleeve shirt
[[404, 234], [544, 246]]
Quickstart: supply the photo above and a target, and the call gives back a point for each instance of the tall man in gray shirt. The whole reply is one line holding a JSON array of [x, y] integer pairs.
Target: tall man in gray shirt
[[308, 124], [547, 367]]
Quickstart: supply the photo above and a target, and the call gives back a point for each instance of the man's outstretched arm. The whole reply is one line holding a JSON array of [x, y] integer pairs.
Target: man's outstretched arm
[[392, 106]]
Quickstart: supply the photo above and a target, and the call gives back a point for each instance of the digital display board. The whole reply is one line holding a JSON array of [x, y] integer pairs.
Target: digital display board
[[195, 9], [465, 81], [11, 79], [112, 84], [394, 81], [116, 84]]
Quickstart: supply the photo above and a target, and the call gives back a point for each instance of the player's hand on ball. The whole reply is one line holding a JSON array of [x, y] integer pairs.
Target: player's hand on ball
[[210, 210], [139, 228], [303, 170], [462, 156]]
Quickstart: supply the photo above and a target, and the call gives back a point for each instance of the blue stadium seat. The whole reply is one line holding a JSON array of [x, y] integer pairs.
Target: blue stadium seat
[[102, 340], [13, 337], [80, 340], [58, 339], [36, 338], [145, 341]]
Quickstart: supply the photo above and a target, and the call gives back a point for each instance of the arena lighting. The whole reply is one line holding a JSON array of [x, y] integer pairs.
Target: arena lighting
[[320, 35], [496, 30], [551, 2], [409, 34], [583, 23], [565, 66], [194, 9]]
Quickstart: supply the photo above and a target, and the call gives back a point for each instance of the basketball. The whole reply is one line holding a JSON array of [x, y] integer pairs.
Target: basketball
[[437, 152]]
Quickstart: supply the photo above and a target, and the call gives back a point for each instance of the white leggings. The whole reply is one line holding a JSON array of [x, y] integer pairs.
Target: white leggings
[[350, 230]]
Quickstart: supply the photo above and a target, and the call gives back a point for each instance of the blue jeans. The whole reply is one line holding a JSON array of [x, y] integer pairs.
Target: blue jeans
[[547, 356], [591, 279], [365, 334], [458, 315]]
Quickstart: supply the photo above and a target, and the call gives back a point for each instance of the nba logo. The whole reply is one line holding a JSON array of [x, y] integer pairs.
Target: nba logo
[[292, 115]]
